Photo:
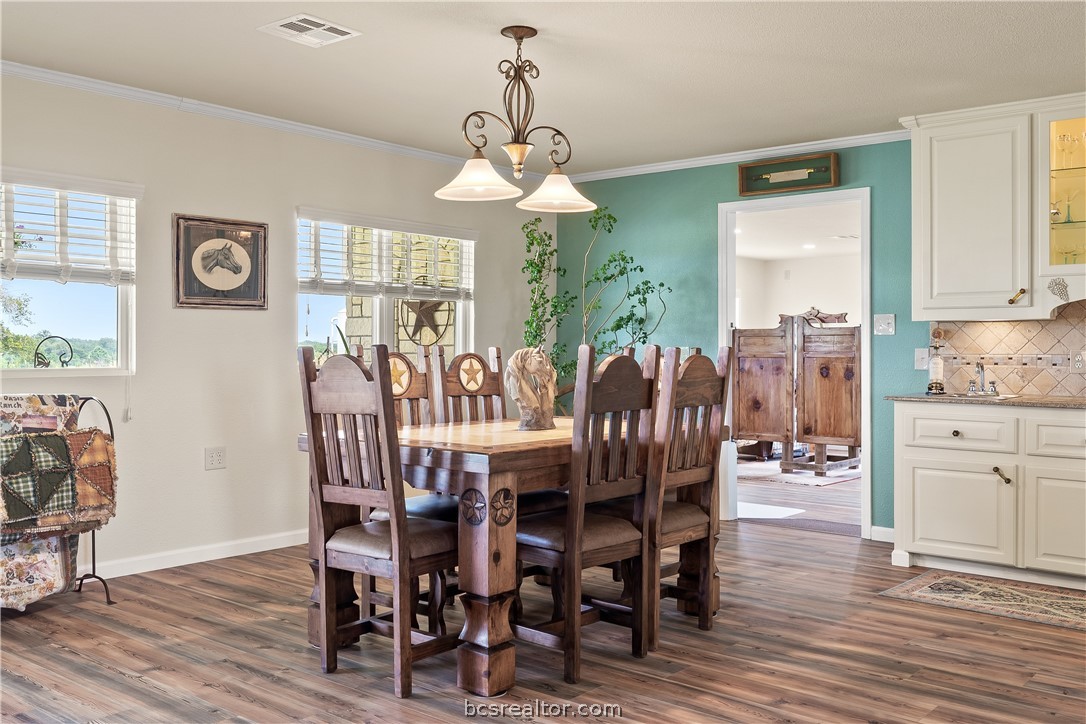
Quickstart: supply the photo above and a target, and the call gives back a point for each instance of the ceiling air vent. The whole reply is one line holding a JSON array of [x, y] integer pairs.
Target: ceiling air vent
[[308, 30]]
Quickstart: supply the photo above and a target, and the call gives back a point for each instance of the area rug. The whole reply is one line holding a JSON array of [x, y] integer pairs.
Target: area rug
[[1014, 599], [770, 472]]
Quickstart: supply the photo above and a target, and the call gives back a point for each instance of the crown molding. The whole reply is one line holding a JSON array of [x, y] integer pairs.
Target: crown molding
[[188, 105], [1036, 105], [757, 154]]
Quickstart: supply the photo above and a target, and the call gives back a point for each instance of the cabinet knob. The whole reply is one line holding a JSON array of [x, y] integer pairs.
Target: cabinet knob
[[956, 433], [1006, 480], [1016, 297]]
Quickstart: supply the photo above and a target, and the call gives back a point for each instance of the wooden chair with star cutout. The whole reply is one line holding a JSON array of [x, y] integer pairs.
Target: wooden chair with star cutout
[[470, 389]]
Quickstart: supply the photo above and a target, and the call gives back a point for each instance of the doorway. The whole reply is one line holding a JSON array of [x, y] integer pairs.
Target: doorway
[[798, 251]]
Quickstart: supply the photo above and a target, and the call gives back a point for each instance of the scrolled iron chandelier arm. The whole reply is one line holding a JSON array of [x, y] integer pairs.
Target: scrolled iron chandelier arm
[[557, 139], [480, 123], [478, 181]]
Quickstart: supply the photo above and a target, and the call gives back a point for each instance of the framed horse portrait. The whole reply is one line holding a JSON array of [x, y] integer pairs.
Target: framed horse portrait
[[220, 263]]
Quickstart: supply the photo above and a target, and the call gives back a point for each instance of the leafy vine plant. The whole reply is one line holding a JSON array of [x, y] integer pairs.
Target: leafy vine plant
[[616, 304]]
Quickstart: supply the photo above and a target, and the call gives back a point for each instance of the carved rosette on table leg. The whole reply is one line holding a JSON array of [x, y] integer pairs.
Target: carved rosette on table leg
[[487, 658]]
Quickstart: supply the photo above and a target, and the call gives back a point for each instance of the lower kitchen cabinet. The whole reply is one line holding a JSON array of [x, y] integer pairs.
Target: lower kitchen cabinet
[[992, 484]]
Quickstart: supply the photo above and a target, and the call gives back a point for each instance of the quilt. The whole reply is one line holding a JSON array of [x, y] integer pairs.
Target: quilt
[[53, 486]]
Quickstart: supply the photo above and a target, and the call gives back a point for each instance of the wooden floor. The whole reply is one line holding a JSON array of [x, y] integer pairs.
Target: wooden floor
[[802, 636], [836, 503]]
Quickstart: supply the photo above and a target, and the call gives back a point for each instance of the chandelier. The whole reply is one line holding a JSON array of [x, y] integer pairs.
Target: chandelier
[[478, 181]]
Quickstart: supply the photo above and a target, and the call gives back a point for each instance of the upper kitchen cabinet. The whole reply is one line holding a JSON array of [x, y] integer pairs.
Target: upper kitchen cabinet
[[986, 184]]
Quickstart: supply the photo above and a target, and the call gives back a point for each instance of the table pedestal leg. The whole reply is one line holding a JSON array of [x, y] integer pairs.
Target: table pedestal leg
[[486, 662]]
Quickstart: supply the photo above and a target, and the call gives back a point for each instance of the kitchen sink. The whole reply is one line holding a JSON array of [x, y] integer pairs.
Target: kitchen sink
[[975, 396]]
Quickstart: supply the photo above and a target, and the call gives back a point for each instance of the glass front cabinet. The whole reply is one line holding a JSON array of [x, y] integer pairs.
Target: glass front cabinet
[[1060, 153]]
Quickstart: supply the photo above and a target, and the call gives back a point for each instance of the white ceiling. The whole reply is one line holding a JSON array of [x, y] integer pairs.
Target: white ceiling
[[629, 83], [799, 233]]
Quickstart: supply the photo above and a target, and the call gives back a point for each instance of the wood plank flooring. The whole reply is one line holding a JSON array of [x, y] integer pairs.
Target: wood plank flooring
[[802, 636], [837, 503]]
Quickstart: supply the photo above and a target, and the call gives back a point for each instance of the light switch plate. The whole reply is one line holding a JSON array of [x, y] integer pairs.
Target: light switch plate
[[885, 324], [920, 358]]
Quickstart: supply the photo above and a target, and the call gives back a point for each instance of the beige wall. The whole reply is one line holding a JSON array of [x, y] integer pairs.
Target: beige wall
[[768, 289], [224, 377]]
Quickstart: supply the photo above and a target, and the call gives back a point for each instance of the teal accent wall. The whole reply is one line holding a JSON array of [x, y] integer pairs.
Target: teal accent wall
[[668, 222]]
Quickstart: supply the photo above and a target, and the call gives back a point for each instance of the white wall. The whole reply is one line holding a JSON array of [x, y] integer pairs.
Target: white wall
[[751, 310], [792, 286], [226, 377]]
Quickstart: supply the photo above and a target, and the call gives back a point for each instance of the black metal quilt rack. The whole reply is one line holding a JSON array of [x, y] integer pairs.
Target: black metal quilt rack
[[94, 552]]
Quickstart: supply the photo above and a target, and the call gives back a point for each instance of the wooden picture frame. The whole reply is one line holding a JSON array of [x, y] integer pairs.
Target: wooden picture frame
[[220, 263], [797, 173]]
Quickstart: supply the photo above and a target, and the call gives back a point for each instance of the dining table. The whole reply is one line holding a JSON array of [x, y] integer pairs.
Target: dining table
[[486, 464]]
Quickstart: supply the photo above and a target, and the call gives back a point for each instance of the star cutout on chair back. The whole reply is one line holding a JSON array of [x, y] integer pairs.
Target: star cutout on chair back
[[471, 374], [401, 375]]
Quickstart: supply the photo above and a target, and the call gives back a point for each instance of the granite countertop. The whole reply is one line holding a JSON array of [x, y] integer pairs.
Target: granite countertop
[[1070, 403]]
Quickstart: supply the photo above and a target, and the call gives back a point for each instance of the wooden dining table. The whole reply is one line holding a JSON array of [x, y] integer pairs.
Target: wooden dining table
[[486, 464]]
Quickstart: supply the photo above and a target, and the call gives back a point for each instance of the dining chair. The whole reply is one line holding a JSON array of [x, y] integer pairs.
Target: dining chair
[[611, 454], [685, 513], [470, 388], [415, 404], [354, 466]]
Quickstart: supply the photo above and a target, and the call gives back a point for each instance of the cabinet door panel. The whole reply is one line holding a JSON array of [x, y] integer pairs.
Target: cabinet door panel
[[1054, 520], [959, 509], [973, 219]]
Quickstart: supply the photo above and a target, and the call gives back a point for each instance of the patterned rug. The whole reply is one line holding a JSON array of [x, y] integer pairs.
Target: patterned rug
[[1014, 599], [770, 472]]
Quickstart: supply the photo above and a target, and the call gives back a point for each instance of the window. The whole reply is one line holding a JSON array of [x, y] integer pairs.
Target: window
[[378, 281], [67, 271]]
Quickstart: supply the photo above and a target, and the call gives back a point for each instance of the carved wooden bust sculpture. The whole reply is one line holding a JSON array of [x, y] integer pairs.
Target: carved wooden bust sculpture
[[530, 378]]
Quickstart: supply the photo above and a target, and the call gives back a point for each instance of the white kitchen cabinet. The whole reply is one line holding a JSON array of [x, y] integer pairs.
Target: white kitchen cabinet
[[976, 220], [990, 483], [1053, 532]]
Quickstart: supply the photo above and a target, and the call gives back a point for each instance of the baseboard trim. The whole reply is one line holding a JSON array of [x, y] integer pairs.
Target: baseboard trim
[[882, 535], [184, 556]]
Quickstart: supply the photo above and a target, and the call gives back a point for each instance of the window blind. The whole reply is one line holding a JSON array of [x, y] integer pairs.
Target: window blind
[[361, 260], [67, 235]]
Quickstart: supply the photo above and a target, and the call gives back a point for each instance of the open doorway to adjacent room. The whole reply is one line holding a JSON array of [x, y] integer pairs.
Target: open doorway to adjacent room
[[787, 255]]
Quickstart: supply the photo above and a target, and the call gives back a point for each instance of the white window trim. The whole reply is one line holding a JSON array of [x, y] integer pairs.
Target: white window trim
[[384, 327], [126, 293]]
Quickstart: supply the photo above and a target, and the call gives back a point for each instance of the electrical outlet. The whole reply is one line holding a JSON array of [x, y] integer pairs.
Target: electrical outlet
[[1077, 361], [214, 458], [920, 358]]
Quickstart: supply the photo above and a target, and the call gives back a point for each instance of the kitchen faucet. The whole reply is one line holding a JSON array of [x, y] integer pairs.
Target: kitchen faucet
[[980, 375]]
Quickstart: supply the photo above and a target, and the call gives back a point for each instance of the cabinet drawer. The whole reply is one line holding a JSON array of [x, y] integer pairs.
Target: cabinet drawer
[[1055, 438], [982, 433]]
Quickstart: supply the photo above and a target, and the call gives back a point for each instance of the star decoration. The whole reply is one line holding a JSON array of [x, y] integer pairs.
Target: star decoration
[[398, 370], [425, 317], [471, 374]]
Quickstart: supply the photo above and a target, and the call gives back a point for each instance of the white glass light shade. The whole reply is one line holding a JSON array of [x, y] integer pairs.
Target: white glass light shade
[[557, 194], [478, 181]]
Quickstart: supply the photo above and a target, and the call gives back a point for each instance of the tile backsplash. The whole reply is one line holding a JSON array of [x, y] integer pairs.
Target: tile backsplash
[[1034, 357]]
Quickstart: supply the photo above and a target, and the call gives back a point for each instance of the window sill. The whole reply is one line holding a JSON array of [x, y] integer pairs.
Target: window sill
[[44, 373]]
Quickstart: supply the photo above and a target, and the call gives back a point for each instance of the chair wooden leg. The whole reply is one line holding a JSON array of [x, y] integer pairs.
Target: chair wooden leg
[[654, 598], [557, 597], [516, 611], [571, 634], [641, 607], [329, 644], [365, 601], [706, 585], [403, 601], [437, 599], [415, 588]]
